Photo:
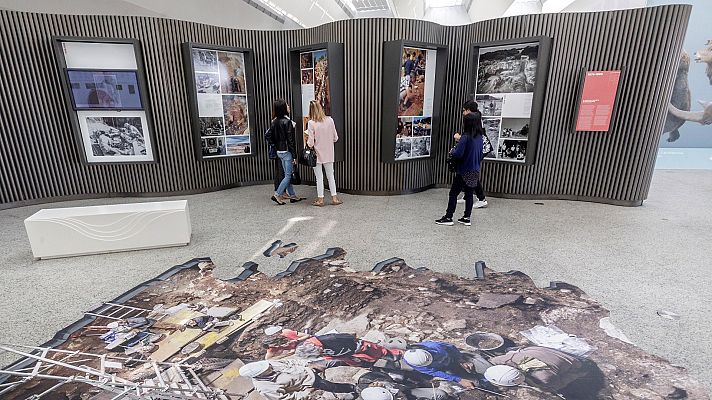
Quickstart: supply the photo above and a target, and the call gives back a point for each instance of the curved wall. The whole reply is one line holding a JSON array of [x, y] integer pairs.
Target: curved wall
[[39, 159]]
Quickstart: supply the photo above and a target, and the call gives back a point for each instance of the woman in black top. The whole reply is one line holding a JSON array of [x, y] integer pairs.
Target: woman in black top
[[281, 136]]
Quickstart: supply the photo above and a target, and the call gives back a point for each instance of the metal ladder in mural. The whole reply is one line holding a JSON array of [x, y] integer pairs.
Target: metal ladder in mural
[[62, 367]]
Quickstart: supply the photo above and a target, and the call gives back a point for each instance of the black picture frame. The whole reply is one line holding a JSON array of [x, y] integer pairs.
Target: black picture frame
[[188, 67], [579, 93], [67, 71], [335, 55], [392, 53], [542, 74], [68, 100]]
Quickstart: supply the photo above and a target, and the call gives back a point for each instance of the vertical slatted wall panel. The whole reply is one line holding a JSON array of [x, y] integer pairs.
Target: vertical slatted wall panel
[[40, 161]]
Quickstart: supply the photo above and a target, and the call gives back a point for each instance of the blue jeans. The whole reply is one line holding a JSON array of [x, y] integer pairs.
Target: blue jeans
[[288, 167]]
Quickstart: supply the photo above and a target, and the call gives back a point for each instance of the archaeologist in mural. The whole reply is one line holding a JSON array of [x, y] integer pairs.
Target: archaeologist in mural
[[381, 386], [281, 343], [289, 380], [344, 349], [445, 361], [394, 392], [543, 367]]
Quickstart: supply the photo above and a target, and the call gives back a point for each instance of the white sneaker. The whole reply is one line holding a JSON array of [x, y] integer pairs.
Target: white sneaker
[[480, 204], [461, 201]]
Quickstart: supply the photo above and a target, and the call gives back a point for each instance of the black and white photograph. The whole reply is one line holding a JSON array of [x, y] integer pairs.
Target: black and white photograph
[[116, 136], [213, 146], [515, 128], [513, 150], [507, 69], [403, 148], [232, 72], [211, 126], [489, 105], [492, 126], [420, 147], [237, 145], [422, 126], [207, 83], [92, 90], [205, 60]]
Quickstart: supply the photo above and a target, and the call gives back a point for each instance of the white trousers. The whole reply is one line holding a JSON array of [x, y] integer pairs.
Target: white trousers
[[329, 168]]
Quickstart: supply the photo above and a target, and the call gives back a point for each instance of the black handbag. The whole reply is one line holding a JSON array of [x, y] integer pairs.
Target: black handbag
[[451, 160], [308, 157], [296, 176]]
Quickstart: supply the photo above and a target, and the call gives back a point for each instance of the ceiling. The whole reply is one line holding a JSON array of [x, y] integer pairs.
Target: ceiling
[[294, 14]]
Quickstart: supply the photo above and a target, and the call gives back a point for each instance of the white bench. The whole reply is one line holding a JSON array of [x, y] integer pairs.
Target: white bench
[[63, 232]]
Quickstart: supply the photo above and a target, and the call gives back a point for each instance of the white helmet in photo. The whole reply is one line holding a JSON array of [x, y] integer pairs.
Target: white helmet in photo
[[254, 369], [271, 330], [504, 375], [376, 393], [418, 357]]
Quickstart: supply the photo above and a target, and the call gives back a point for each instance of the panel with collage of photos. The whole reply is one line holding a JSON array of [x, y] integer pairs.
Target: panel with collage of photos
[[415, 104], [314, 69], [221, 87], [506, 76]]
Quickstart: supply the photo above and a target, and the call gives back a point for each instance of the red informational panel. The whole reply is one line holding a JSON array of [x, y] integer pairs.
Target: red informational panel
[[597, 100]]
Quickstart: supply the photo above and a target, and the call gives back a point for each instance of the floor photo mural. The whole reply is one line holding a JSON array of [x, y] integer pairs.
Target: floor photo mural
[[413, 133], [221, 91], [328, 329], [314, 69], [504, 91]]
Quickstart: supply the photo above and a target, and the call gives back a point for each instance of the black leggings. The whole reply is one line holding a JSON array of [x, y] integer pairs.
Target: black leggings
[[459, 186], [322, 384]]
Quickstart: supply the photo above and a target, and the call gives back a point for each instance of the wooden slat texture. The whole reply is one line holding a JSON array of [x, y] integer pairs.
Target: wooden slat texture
[[40, 161]]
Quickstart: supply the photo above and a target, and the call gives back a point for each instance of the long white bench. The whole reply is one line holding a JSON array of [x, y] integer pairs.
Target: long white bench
[[63, 232]]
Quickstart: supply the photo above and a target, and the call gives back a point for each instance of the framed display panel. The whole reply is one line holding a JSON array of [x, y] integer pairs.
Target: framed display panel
[[508, 81], [111, 119], [317, 73], [597, 98], [221, 97], [413, 79]]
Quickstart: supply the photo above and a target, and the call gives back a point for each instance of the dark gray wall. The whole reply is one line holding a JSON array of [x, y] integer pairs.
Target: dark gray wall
[[39, 159]]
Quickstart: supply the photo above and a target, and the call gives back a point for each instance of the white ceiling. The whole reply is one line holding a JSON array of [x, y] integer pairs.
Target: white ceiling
[[292, 14]]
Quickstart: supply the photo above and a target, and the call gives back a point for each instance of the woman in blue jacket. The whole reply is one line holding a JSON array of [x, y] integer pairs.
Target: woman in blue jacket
[[468, 156]]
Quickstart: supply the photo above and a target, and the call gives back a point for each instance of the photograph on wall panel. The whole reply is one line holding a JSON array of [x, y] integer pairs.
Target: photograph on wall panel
[[104, 85], [115, 136], [506, 79], [415, 103], [412, 82], [221, 100], [316, 74]]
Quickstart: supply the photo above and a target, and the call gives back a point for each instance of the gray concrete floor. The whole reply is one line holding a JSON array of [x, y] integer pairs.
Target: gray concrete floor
[[635, 261]]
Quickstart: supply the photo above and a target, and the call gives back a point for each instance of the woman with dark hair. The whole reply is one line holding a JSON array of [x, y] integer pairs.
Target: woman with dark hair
[[281, 136], [468, 156]]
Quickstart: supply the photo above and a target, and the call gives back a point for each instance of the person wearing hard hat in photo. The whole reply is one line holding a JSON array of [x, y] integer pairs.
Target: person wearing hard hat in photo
[[545, 368], [280, 343], [344, 349], [394, 391], [289, 380], [441, 360]]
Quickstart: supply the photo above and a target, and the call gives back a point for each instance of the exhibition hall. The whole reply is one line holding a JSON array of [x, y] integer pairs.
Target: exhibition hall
[[355, 199]]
